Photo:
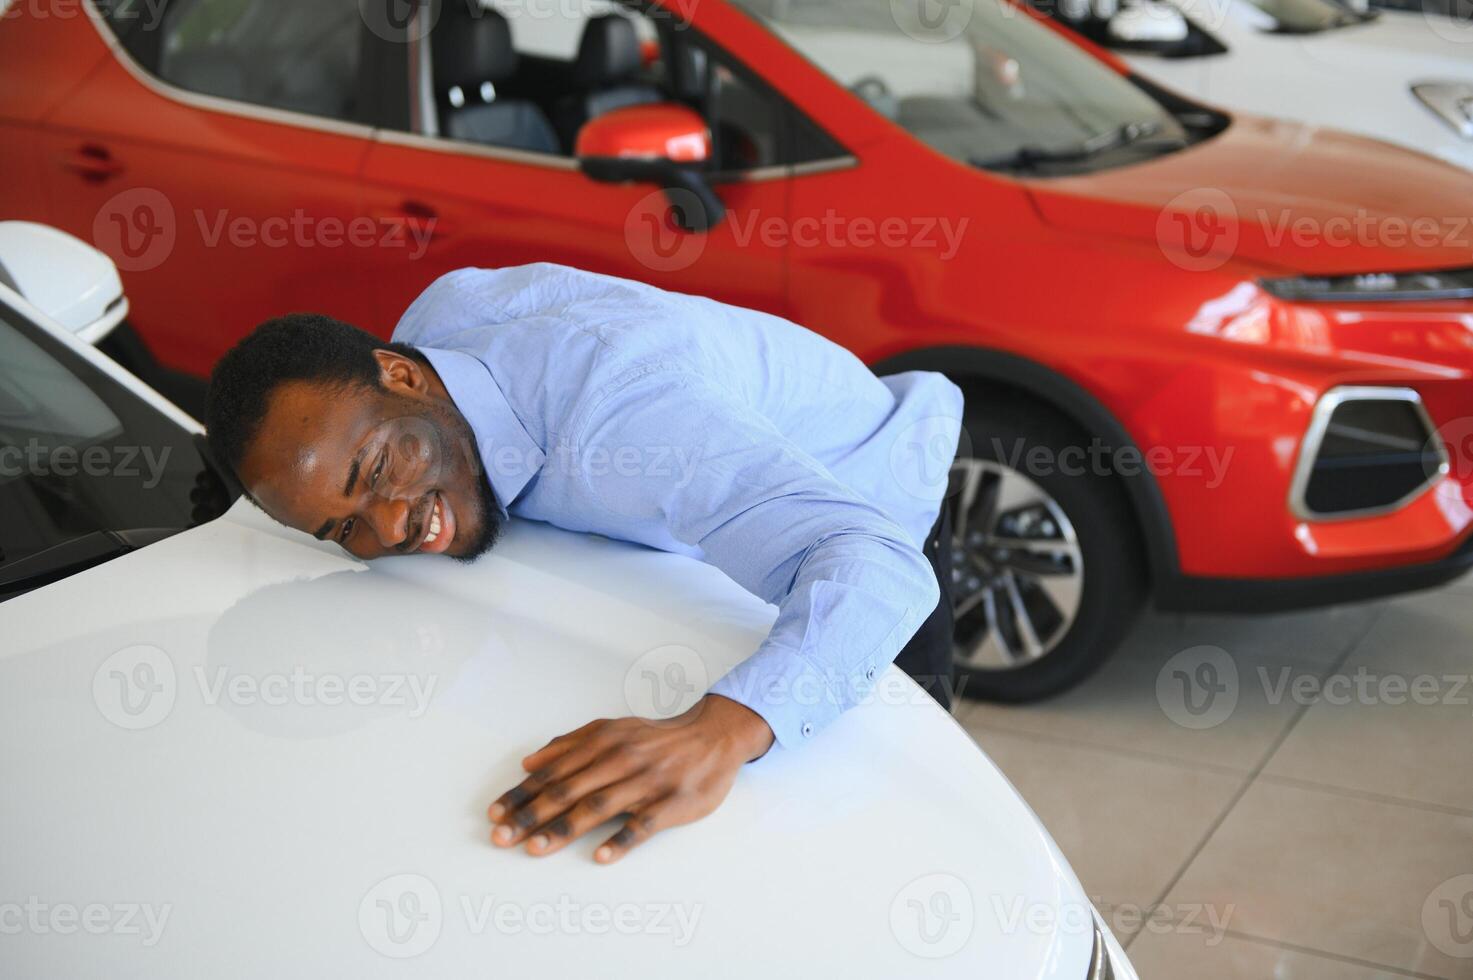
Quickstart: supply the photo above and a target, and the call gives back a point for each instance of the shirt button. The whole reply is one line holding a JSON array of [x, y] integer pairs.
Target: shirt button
[[807, 729]]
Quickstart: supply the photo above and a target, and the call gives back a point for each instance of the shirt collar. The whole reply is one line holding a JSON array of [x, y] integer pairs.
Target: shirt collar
[[509, 455]]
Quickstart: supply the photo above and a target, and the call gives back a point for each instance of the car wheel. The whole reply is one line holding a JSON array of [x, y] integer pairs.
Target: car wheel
[[1046, 568]]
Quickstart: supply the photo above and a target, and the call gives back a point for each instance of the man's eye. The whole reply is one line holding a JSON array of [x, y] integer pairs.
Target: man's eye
[[378, 470], [347, 529]]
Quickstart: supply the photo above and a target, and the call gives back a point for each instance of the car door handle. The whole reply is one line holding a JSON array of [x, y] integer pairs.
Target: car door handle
[[92, 163], [415, 217]]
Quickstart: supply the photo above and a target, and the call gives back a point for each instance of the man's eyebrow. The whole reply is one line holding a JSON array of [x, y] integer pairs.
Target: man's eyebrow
[[321, 533], [353, 473]]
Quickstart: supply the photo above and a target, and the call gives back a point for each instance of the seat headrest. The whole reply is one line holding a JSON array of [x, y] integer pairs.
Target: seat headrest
[[471, 47], [608, 52]]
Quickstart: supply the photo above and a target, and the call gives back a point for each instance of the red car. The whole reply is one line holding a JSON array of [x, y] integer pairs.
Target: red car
[[1220, 360]]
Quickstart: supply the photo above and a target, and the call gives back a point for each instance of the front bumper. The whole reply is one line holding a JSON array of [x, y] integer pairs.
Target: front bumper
[[1190, 593]]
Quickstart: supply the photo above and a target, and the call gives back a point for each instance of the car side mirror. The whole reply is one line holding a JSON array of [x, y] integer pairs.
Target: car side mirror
[[664, 144], [62, 276], [1148, 22]]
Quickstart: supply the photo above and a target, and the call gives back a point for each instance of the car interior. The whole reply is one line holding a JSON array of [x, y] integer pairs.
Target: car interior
[[512, 81]]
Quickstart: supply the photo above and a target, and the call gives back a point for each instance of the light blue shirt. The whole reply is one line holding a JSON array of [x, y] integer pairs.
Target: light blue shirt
[[737, 437]]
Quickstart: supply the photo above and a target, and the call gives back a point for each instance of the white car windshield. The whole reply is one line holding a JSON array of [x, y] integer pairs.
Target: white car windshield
[[993, 88]]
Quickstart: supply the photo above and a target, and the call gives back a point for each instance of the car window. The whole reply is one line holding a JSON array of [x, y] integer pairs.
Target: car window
[[992, 89], [80, 454], [300, 55], [554, 28]]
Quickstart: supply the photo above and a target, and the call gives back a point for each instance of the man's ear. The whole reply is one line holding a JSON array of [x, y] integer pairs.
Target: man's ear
[[400, 373]]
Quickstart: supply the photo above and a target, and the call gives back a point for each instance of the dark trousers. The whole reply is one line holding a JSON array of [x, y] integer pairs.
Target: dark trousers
[[927, 657]]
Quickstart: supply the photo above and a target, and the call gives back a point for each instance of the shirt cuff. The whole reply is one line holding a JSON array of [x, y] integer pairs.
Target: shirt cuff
[[795, 698]]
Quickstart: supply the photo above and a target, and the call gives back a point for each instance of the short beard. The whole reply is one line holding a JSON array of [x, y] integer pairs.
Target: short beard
[[490, 522], [489, 511]]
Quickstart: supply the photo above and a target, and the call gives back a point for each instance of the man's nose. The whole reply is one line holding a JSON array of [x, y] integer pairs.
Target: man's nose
[[389, 518]]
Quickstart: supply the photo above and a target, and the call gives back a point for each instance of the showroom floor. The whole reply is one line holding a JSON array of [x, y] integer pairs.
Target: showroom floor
[[1261, 832]]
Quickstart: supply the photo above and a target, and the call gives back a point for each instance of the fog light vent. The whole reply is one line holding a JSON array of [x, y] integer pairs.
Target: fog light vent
[[1368, 451]]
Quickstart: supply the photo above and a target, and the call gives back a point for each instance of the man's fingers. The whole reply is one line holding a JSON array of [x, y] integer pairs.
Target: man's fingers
[[518, 796], [640, 827], [553, 790], [560, 745], [553, 798], [591, 810]]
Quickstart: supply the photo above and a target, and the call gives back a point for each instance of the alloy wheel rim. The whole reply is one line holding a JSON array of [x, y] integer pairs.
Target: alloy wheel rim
[[1017, 576]]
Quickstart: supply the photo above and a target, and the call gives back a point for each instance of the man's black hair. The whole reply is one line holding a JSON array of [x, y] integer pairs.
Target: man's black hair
[[296, 347]]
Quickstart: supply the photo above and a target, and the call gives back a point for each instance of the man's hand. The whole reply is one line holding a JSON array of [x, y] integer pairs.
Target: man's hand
[[660, 773]]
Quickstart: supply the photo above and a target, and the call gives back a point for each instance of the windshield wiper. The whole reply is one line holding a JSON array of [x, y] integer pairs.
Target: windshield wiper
[[1114, 139], [74, 555]]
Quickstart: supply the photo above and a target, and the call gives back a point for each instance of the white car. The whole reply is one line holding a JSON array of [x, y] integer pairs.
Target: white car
[[231, 750], [1400, 76]]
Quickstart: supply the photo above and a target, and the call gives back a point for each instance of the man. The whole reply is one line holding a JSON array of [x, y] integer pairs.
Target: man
[[599, 404]]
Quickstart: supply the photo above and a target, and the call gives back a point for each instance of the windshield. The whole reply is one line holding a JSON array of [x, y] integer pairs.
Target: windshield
[[1309, 16], [79, 454], [984, 84]]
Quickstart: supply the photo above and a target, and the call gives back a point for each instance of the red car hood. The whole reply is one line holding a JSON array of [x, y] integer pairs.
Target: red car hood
[[1278, 195]]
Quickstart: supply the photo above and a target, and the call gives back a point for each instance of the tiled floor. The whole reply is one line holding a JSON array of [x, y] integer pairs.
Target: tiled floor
[[1275, 798]]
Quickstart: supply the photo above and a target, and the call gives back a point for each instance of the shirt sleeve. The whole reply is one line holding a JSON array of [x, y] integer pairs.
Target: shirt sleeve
[[850, 586]]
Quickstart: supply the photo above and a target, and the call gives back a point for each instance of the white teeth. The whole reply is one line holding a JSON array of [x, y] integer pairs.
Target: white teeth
[[434, 524]]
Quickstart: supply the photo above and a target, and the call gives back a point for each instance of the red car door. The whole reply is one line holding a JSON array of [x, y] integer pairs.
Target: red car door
[[215, 156], [465, 202]]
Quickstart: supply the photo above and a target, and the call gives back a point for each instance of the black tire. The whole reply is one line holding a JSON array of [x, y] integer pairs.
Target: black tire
[[1105, 546]]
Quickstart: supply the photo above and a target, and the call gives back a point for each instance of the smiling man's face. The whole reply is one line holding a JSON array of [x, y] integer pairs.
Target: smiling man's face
[[382, 471]]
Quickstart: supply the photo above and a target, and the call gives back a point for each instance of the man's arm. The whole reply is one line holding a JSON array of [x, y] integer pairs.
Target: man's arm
[[850, 586]]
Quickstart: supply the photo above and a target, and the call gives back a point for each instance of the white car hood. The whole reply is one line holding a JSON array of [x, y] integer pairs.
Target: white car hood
[[307, 839], [1397, 46]]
